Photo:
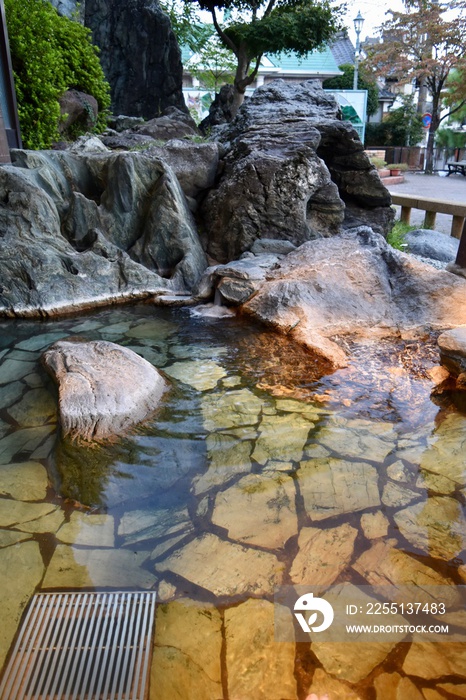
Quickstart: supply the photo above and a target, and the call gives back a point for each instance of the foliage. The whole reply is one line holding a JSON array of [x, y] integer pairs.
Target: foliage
[[190, 31], [396, 237], [403, 124], [456, 83], [447, 138], [50, 54], [365, 82], [400, 127], [374, 135], [214, 66], [397, 166], [377, 162], [254, 27], [426, 42]]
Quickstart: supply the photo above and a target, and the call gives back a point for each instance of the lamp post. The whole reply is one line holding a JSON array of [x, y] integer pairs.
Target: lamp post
[[358, 22]]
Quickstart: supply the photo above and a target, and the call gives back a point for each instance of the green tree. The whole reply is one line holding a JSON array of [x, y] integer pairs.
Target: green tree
[[189, 29], [214, 65], [345, 82], [403, 125], [251, 28], [50, 54], [426, 43]]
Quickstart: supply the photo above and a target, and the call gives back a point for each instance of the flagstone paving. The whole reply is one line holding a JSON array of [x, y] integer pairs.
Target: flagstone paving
[[221, 499]]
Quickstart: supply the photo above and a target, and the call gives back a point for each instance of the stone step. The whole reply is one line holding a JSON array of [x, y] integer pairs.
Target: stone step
[[393, 180]]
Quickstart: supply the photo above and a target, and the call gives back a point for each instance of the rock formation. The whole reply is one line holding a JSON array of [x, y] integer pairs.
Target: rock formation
[[104, 388], [355, 284], [293, 171], [69, 8], [79, 230], [77, 110], [139, 55], [452, 347]]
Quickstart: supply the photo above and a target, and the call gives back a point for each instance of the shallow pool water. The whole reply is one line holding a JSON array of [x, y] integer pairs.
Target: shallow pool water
[[260, 470]]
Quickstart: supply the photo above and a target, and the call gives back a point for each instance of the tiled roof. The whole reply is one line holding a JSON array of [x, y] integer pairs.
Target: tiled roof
[[314, 63], [342, 49]]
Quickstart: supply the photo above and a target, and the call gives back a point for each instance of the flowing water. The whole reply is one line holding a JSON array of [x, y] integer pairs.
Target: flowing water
[[259, 470]]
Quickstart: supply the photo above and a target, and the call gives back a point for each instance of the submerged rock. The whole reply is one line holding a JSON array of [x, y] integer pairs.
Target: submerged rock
[[228, 456], [26, 481], [442, 464], [224, 568], [429, 660], [392, 685], [81, 567], [104, 389], [331, 486], [322, 555], [187, 665], [374, 525], [323, 684], [436, 526], [200, 374], [21, 571], [398, 576], [257, 667], [259, 509], [351, 662]]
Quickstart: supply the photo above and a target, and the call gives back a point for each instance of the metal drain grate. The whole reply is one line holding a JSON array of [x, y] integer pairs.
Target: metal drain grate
[[82, 646]]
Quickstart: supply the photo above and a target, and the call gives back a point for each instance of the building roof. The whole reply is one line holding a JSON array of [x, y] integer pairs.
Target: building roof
[[342, 49], [386, 95], [315, 63]]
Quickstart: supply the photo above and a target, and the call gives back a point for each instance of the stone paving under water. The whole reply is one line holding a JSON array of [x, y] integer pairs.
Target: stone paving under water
[[253, 474]]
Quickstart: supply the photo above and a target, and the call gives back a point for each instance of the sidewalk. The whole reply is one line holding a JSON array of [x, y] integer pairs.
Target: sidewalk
[[449, 189]]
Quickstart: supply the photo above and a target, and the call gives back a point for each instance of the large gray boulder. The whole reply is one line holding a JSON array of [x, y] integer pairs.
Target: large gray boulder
[[355, 285], [293, 171], [194, 164], [86, 229], [432, 244], [139, 55], [103, 389], [452, 346]]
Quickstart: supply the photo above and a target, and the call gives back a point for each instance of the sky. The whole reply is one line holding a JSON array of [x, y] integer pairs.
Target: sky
[[373, 12]]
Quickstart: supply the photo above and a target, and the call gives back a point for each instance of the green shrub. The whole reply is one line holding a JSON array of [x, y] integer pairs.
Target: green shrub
[[447, 138], [396, 237], [50, 54], [379, 163], [402, 167]]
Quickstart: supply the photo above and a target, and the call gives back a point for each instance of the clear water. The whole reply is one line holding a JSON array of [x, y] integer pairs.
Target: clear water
[[170, 505]]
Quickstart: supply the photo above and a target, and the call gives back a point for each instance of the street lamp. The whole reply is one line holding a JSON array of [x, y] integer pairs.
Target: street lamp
[[358, 22]]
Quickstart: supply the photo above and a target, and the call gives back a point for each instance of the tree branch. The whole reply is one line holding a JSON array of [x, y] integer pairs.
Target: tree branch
[[453, 110], [269, 8], [222, 34], [256, 67]]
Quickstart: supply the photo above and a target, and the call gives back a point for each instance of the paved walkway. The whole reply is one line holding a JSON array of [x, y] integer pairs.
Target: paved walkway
[[450, 189]]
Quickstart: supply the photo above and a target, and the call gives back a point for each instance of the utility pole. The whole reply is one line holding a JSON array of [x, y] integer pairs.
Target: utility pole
[[358, 22]]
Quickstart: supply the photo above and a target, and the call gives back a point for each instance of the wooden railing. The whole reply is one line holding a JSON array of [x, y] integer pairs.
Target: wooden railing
[[432, 207]]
